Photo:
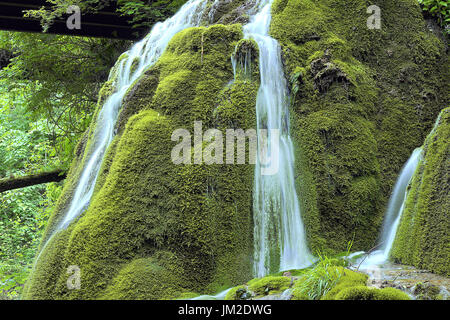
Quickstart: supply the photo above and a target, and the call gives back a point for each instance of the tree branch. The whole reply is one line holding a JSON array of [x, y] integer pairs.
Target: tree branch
[[26, 181]]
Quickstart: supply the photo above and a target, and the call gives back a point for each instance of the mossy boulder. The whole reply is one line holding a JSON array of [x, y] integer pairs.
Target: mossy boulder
[[363, 100], [423, 235], [269, 285], [156, 230], [158, 277], [368, 293], [348, 279], [427, 291], [238, 293]]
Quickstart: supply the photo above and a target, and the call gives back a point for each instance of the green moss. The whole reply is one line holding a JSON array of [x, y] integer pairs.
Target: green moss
[[47, 268], [246, 59], [367, 293], [423, 237], [269, 285], [138, 97], [237, 293], [158, 228], [293, 272], [348, 279], [427, 291], [157, 277], [298, 294], [364, 101]]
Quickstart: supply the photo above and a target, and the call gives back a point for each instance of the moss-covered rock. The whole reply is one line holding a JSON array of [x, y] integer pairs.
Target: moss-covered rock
[[368, 293], [238, 293], [228, 11], [157, 277], [363, 101], [423, 236], [348, 279], [427, 291], [269, 285], [156, 230]]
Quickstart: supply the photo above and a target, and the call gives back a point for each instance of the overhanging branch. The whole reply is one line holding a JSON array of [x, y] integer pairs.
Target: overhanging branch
[[26, 181]]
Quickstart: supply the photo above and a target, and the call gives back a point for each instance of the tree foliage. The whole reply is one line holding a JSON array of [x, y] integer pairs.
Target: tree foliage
[[25, 147], [440, 10], [141, 13], [58, 78], [48, 90]]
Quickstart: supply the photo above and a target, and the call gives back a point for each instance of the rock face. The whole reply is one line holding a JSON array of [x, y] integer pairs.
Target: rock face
[[362, 100], [423, 236]]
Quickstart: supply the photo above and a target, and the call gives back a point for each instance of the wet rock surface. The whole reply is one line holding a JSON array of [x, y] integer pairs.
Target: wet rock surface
[[419, 284]]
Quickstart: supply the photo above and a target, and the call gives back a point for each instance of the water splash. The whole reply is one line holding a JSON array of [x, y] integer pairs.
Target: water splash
[[279, 235]]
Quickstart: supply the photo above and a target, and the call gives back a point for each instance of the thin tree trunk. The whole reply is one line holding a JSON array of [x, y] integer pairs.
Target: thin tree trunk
[[26, 181]]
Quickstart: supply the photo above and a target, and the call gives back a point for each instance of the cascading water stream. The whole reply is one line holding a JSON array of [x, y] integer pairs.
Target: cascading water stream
[[394, 210], [277, 217], [142, 55], [395, 207]]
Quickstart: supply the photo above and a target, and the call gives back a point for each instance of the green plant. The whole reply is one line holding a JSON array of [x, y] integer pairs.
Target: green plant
[[142, 13], [438, 9], [12, 280], [319, 280]]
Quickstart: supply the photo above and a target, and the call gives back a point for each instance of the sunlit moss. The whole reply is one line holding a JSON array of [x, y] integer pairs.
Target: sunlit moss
[[269, 285], [367, 293]]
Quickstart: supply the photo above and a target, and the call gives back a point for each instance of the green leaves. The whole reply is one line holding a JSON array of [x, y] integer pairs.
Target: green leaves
[[146, 13], [143, 13], [12, 280], [56, 79], [438, 9]]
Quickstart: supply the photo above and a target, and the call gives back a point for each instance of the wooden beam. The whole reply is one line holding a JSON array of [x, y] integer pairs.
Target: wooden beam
[[105, 23]]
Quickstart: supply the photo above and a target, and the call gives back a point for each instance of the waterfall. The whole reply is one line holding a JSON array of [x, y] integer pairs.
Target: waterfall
[[397, 203], [279, 235], [136, 60], [394, 210], [395, 207]]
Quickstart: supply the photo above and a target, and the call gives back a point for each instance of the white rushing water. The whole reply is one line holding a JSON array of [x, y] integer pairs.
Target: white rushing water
[[394, 211], [142, 55], [395, 207], [220, 296], [276, 207]]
